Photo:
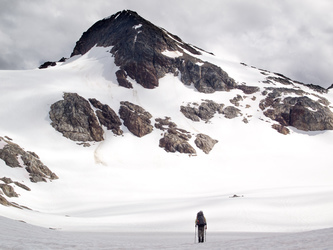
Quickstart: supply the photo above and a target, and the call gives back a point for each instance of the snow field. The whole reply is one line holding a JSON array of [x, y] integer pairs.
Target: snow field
[[130, 184]]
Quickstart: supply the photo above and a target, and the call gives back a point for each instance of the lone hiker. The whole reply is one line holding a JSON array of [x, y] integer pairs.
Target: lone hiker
[[201, 223]]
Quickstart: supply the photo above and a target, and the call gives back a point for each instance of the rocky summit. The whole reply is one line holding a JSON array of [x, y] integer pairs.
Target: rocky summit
[[145, 53]]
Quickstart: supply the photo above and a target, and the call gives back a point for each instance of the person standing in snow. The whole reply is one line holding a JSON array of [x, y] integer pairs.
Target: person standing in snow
[[201, 223]]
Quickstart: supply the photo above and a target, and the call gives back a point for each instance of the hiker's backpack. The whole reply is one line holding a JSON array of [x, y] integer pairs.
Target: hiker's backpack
[[201, 219]]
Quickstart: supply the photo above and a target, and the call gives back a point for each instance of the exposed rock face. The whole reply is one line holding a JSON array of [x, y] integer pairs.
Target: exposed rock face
[[47, 64], [16, 157], [122, 79], [136, 119], [231, 112], [206, 77], [4, 201], [139, 48], [205, 111], [11, 152], [205, 142], [75, 119], [300, 112], [281, 129], [164, 124], [176, 140], [236, 100], [248, 89], [8, 190], [107, 116]]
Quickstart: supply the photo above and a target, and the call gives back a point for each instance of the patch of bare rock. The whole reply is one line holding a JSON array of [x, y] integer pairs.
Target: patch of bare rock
[[107, 116], [16, 157], [299, 110], [177, 140], [136, 118], [75, 119], [207, 109]]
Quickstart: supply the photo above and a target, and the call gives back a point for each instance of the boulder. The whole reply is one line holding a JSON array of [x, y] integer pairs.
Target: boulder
[[231, 112], [75, 119], [135, 118], [122, 79], [176, 140], [9, 154], [107, 116], [191, 113], [205, 142], [205, 111]]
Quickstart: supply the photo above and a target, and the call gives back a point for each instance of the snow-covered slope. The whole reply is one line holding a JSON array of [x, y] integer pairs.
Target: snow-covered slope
[[18, 235], [127, 183]]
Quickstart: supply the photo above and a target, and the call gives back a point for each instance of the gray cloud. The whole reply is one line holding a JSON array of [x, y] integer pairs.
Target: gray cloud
[[290, 37]]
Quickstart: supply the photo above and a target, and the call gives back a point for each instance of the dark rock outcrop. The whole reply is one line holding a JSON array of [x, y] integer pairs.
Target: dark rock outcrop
[[138, 48], [205, 111], [47, 64], [248, 89], [11, 152], [75, 119], [164, 124], [107, 116], [8, 190], [206, 77], [9, 181], [231, 112], [4, 201], [300, 112], [122, 79], [235, 101], [176, 140], [205, 142], [136, 119], [281, 129]]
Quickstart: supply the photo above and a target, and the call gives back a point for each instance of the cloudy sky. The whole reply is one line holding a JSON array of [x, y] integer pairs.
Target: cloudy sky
[[293, 37]]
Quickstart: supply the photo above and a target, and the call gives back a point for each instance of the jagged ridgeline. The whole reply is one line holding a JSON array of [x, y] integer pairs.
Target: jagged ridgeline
[[141, 51]]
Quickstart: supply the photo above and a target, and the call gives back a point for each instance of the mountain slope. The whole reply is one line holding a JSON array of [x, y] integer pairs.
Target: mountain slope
[[126, 182]]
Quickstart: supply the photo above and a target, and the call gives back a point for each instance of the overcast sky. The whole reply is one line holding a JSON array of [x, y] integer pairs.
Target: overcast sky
[[293, 37]]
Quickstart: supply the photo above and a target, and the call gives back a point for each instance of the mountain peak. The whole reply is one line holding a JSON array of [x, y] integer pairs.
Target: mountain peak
[[145, 53], [124, 26]]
